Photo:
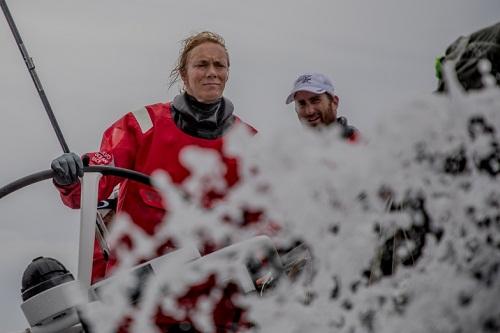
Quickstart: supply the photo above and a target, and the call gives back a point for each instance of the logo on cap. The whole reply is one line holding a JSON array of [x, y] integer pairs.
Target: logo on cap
[[304, 79]]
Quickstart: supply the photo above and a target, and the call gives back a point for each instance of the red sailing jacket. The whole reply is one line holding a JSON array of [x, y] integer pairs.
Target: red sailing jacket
[[146, 140]]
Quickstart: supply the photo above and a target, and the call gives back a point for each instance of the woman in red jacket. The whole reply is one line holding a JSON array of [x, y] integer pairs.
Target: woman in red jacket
[[153, 137]]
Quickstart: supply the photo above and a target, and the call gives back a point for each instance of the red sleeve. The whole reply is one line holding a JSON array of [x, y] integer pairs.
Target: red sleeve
[[252, 129], [355, 137], [119, 145]]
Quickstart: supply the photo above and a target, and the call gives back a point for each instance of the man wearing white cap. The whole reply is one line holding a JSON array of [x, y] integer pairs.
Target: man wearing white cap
[[316, 103]]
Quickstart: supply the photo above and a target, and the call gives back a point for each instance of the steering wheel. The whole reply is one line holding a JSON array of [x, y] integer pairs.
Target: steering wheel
[[47, 174]]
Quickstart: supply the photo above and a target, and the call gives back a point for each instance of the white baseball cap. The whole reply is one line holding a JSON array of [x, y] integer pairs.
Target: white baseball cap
[[313, 82]]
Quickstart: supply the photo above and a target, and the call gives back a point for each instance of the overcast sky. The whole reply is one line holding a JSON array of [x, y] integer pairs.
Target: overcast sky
[[100, 59]]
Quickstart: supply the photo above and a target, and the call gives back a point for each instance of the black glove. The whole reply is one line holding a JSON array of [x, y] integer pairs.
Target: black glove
[[67, 168]]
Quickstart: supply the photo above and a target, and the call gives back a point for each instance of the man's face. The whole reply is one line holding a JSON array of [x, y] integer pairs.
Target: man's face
[[316, 109]]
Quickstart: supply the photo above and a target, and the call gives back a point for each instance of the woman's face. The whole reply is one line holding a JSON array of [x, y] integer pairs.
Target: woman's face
[[206, 72]]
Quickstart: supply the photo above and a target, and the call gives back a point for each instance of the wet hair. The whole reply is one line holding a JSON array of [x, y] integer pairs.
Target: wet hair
[[189, 44]]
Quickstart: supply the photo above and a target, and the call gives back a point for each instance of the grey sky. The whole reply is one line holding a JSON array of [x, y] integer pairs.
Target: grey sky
[[100, 59]]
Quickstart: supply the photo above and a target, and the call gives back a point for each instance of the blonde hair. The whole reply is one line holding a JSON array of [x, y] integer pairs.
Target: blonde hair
[[190, 43]]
